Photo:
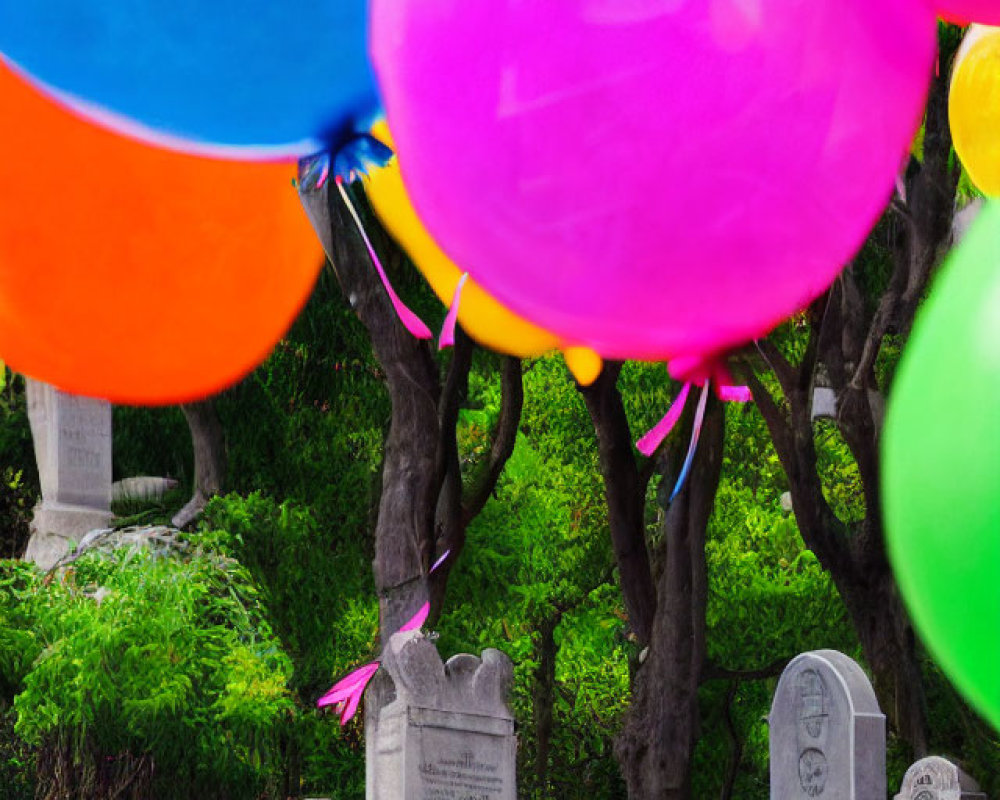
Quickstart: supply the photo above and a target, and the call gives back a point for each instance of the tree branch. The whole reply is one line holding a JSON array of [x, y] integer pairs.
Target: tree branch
[[780, 366], [736, 746], [625, 495], [715, 672], [449, 527], [208, 440], [504, 437], [774, 416], [409, 488]]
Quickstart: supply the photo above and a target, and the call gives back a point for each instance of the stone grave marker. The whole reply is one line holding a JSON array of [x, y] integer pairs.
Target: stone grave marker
[[936, 778], [449, 733], [72, 439], [827, 732]]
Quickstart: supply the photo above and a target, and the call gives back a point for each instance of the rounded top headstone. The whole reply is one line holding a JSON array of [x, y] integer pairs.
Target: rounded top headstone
[[827, 732], [849, 680], [936, 778]]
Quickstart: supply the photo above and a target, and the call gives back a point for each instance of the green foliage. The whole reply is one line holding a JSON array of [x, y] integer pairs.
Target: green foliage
[[132, 511], [307, 425], [16, 501], [539, 554], [209, 666], [18, 643], [769, 599], [318, 586], [838, 472], [18, 475], [17, 760], [317, 583], [152, 441], [170, 661], [309, 422]]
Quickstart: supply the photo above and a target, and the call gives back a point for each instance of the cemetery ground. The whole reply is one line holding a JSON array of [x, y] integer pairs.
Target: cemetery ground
[[191, 667]]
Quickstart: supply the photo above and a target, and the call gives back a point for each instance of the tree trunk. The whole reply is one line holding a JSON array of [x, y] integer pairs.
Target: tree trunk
[[543, 701], [657, 742], [422, 508], [208, 441], [409, 478], [625, 493]]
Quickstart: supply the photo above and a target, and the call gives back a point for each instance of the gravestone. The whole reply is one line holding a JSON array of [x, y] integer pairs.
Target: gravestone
[[72, 438], [827, 732], [448, 734], [936, 778]]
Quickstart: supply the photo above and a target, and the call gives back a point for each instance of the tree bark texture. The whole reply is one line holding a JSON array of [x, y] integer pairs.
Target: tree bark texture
[[422, 508], [625, 493], [208, 440], [661, 728], [543, 700], [409, 491]]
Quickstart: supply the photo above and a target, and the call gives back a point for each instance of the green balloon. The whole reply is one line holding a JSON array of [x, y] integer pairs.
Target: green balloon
[[941, 468]]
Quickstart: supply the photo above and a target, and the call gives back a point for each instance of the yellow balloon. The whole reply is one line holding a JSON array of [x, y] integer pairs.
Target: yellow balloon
[[484, 318], [974, 107]]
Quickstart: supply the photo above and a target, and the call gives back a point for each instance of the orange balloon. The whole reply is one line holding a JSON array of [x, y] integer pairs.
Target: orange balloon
[[133, 273]]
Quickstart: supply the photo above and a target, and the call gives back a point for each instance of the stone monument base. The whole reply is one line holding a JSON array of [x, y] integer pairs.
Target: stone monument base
[[55, 525]]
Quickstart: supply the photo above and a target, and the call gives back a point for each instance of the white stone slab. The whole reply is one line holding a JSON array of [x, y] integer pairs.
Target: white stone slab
[[72, 440]]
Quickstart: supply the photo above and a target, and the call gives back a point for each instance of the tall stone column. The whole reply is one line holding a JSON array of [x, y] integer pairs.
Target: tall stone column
[[72, 438]]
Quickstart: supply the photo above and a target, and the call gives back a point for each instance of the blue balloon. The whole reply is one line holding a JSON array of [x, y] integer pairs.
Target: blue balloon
[[236, 78]]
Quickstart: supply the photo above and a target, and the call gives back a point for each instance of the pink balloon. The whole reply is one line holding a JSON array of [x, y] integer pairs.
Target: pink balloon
[[962, 12], [652, 178]]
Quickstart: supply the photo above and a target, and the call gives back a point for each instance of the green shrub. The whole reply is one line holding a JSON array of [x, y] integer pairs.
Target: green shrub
[[154, 677], [317, 583], [18, 474]]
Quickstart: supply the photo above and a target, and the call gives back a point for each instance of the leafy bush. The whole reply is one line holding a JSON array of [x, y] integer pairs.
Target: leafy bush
[[308, 424], [16, 501], [538, 558], [318, 586], [769, 600], [147, 676], [18, 474]]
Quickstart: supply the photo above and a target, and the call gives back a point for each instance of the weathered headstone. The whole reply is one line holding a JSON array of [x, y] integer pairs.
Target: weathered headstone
[[827, 732], [72, 438], [936, 778], [448, 734]]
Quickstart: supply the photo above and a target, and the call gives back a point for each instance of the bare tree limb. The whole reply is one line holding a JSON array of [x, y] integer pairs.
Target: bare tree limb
[[409, 486], [208, 441], [780, 366], [715, 672], [735, 744], [503, 440], [625, 494], [449, 527]]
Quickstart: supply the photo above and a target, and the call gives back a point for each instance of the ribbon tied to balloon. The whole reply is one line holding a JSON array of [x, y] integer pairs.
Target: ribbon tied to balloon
[[485, 320]]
